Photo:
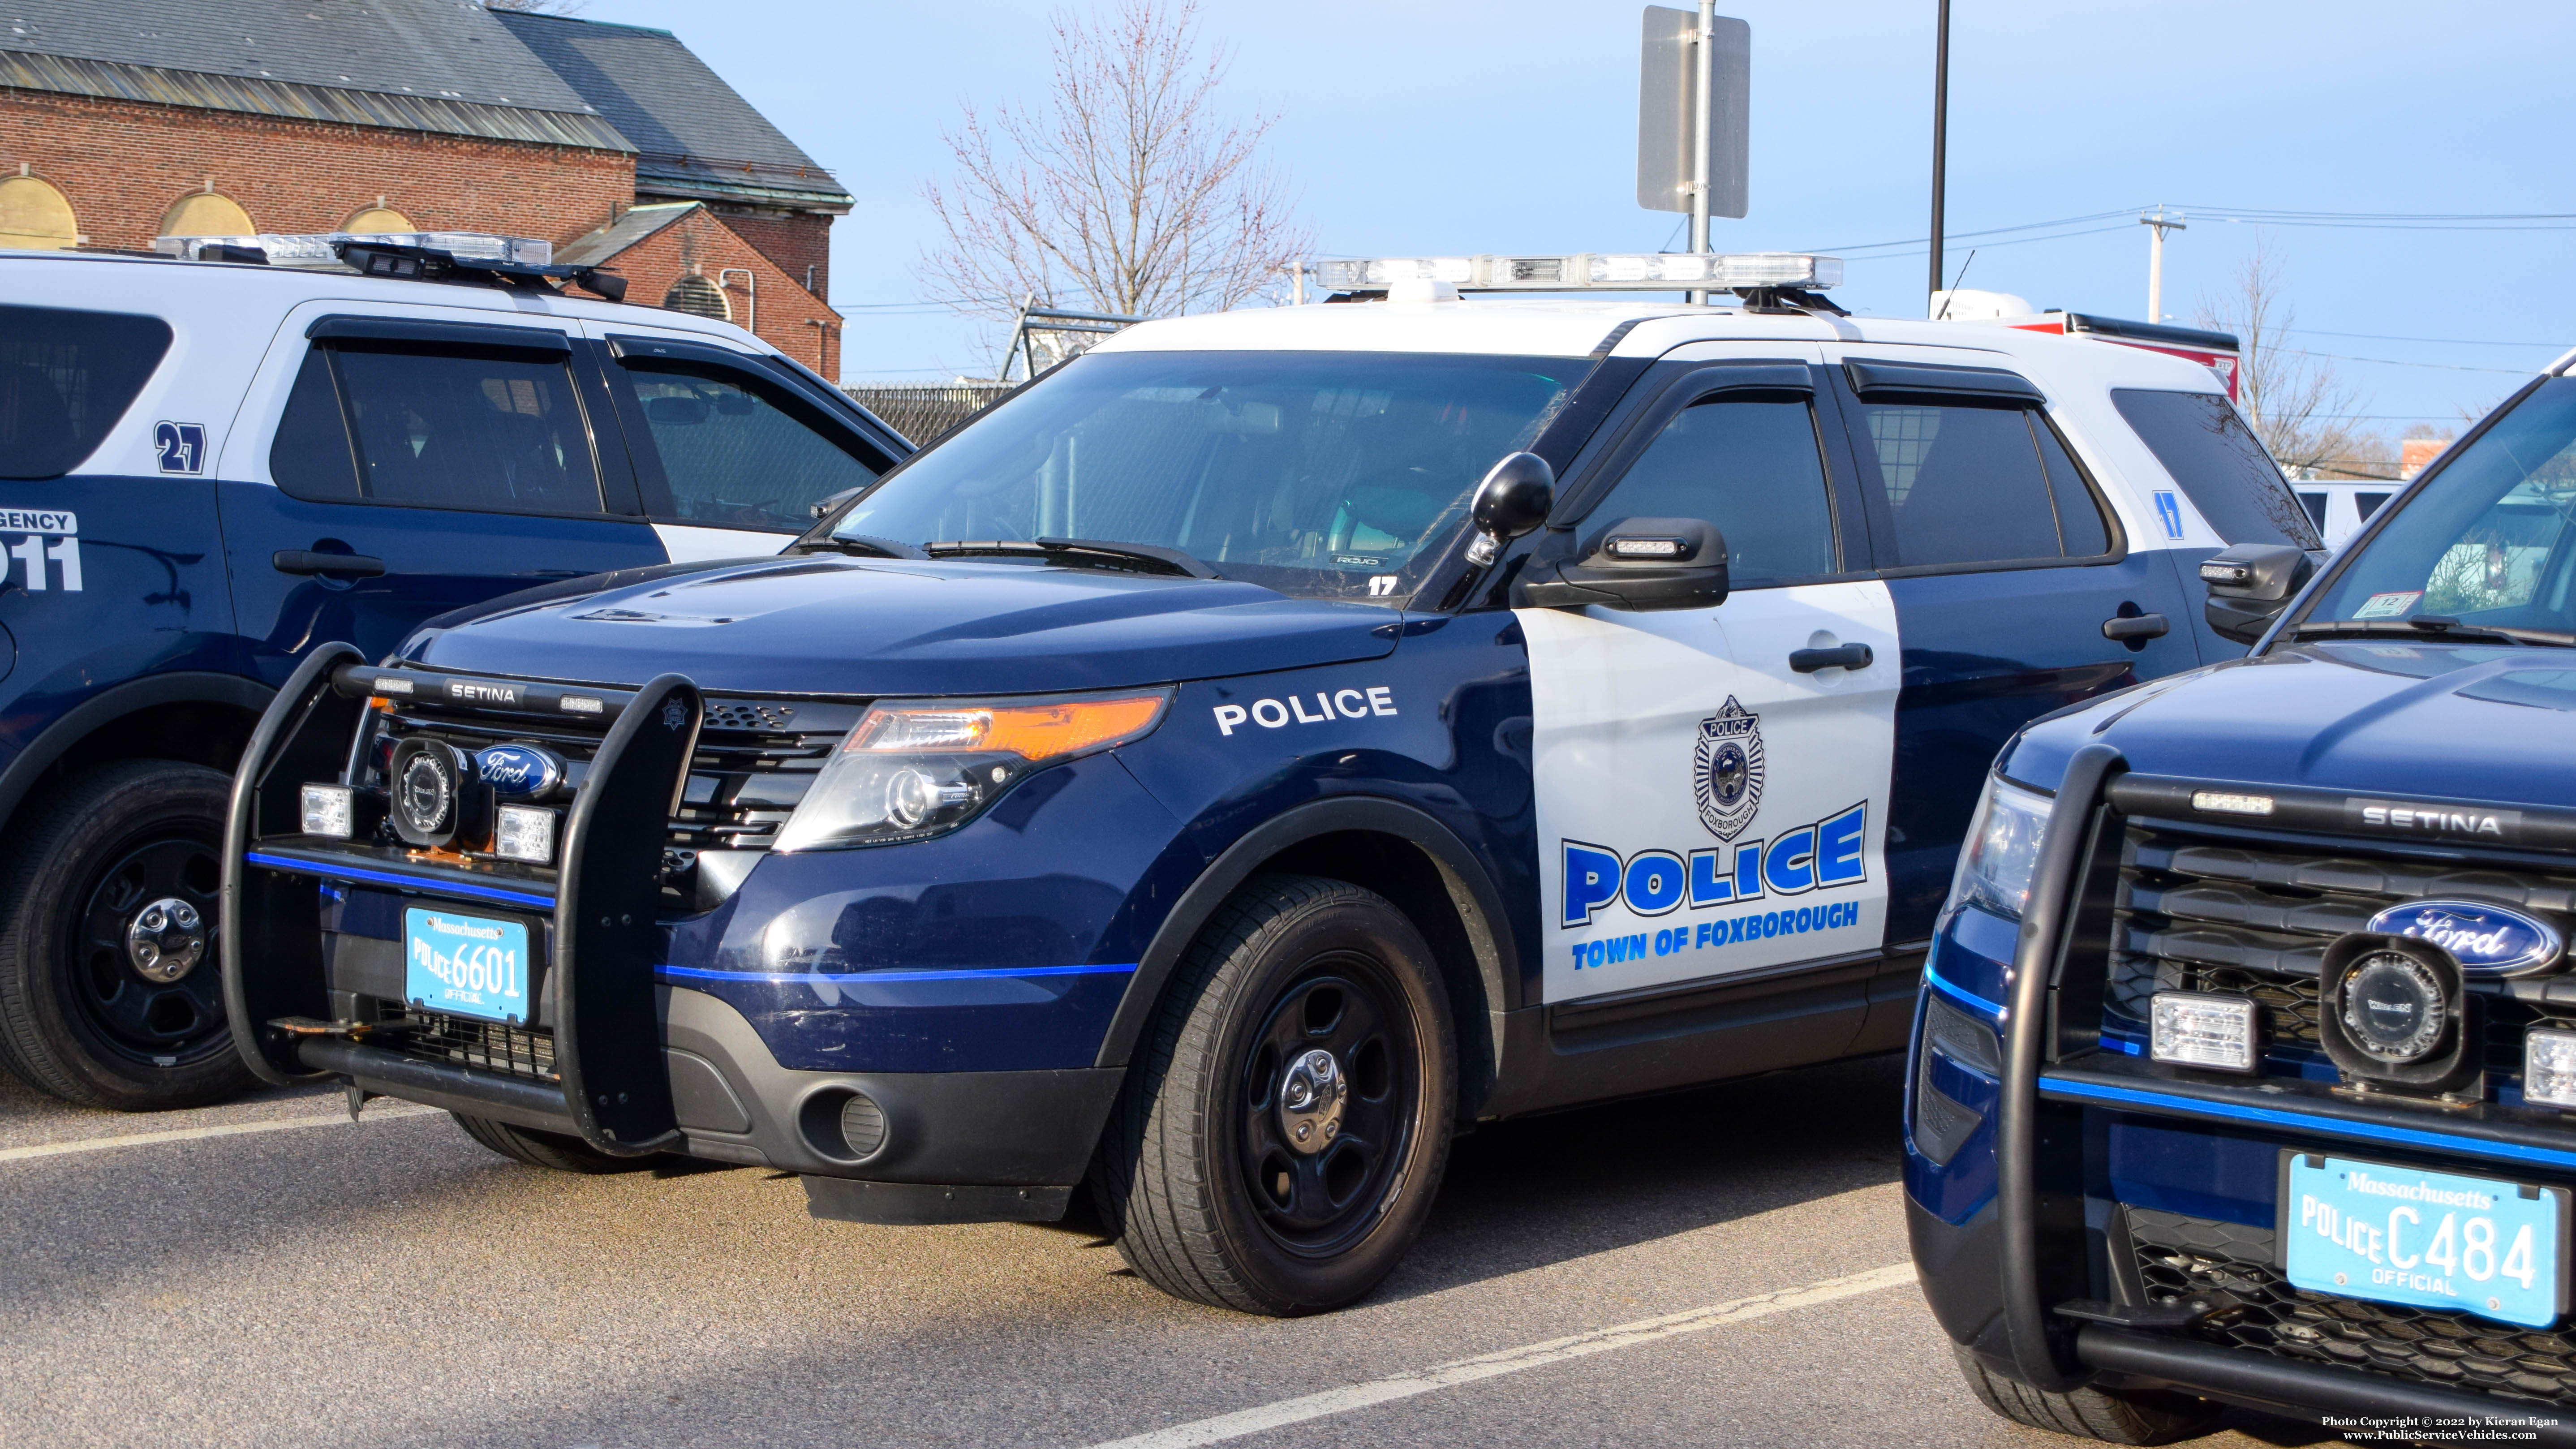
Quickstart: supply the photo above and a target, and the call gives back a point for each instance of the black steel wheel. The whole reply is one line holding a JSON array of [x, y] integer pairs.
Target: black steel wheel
[[1284, 1126], [110, 993]]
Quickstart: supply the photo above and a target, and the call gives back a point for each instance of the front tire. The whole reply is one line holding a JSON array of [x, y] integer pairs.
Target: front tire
[[110, 993], [550, 1150], [1284, 1128], [2098, 1414]]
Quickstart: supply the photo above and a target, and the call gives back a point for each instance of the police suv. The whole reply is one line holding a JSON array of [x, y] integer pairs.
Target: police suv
[[2245, 1068], [208, 468], [1189, 779]]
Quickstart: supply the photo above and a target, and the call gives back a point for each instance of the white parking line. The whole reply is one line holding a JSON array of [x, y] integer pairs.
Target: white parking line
[[1510, 1361], [194, 1134]]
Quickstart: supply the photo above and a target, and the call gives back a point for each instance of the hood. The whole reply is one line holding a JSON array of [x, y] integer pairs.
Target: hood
[[2466, 722], [834, 625]]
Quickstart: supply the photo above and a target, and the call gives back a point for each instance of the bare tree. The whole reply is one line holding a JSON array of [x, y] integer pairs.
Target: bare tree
[[1125, 190], [2299, 405]]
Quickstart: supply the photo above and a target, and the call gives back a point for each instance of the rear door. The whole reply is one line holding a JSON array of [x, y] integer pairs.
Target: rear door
[[731, 453], [414, 463], [2015, 589], [1708, 810]]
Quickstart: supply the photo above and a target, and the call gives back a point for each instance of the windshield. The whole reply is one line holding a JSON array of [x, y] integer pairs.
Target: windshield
[[1319, 474], [2488, 540]]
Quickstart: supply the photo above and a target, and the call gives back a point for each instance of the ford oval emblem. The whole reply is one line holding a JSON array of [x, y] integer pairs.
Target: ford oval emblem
[[2486, 940], [521, 772]]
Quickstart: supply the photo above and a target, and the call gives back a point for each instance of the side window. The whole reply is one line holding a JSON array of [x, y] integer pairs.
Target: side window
[[737, 454], [436, 429], [1973, 483], [1750, 467], [2217, 462], [65, 378]]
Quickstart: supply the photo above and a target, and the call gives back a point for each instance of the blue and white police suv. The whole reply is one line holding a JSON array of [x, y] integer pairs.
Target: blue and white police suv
[[2246, 1063], [1252, 752], [216, 461]]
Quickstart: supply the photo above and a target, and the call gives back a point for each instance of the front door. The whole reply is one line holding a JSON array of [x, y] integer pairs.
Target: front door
[[1711, 799]]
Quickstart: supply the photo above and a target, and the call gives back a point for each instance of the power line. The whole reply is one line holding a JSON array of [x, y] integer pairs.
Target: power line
[[2393, 362], [2392, 337]]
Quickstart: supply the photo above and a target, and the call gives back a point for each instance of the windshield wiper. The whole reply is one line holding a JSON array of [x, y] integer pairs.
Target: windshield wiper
[[1094, 553], [2432, 629], [860, 544]]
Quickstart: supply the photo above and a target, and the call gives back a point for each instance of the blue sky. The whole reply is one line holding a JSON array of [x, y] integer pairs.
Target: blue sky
[[1421, 126]]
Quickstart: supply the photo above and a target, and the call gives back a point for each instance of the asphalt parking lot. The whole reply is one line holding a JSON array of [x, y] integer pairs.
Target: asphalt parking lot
[[1721, 1267]]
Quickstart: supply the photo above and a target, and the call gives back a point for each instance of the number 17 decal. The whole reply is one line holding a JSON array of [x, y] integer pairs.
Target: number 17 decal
[[181, 446]]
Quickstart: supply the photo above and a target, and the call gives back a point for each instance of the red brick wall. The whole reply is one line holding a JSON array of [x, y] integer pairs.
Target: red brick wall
[[793, 242], [788, 314], [122, 164]]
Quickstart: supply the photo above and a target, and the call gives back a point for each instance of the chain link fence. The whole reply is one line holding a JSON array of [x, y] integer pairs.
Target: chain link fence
[[922, 411]]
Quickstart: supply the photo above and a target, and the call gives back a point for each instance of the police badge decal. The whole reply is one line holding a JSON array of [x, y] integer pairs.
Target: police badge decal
[[1727, 778]]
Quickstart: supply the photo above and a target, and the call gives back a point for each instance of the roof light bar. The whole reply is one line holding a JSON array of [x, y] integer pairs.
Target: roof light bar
[[321, 249], [1587, 272]]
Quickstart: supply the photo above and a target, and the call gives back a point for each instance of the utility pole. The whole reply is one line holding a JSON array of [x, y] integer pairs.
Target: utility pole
[[1704, 59], [1940, 140], [2156, 259]]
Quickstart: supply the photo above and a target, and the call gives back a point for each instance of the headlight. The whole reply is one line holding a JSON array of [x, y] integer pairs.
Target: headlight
[[914, 769], [2002, 850]]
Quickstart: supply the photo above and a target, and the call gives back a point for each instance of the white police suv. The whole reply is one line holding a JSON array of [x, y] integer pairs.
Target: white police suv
[[1256, 748], [208, 468]]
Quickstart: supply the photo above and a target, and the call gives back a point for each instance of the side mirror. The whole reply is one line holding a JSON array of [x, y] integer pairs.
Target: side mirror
[[1637, 563], [2250, 584], [1513, 500]]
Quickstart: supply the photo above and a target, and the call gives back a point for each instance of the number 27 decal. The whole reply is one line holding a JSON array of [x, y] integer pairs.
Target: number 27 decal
[[181, 446]]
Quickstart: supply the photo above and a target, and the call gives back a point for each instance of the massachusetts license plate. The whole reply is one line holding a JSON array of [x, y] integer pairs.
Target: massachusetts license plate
[[2435, 1239], [465, 965]]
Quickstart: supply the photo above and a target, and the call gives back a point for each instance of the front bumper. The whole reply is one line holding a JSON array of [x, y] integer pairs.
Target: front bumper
[[627, 1063]]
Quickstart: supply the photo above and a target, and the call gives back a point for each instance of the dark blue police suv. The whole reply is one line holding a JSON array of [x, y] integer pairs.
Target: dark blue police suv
[[2245, 1068], [1189, 781]]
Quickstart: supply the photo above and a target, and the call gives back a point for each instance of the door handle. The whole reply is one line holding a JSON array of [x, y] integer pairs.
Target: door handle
[[1846, 656], [2143, 626], [348, 565]]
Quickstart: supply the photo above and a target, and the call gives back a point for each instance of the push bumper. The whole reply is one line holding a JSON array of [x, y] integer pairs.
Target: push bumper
[[638, 1066]]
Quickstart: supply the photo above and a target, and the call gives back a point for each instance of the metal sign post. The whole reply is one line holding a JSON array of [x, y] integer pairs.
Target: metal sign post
[[1694, 112]]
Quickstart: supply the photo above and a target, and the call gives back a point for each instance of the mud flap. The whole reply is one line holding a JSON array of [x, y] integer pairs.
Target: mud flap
[[608, 1037], [271, 922]]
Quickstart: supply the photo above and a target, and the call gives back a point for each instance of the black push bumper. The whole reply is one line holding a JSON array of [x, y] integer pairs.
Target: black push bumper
[[2322, 1392], [639, 1067]]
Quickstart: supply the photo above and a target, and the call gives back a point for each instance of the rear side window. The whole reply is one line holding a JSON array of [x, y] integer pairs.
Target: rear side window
[[736, 454], [436, 429], [65, 378], [1967, 483], [2218, 464]]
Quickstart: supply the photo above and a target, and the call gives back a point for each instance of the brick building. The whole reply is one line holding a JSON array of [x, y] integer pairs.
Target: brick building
[[123, 120]]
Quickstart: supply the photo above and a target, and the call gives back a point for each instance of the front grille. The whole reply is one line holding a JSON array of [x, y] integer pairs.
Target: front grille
[[2182, 1257], [484, 1044], [2246, 917]]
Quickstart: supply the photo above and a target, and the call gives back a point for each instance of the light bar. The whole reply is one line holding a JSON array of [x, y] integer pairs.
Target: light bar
[[320, 249], [1588, 272], [2192, 1030]]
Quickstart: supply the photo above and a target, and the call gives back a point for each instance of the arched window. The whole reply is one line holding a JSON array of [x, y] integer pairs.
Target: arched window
[[378, 218], [206, 213], [34, 215], [697, 295]]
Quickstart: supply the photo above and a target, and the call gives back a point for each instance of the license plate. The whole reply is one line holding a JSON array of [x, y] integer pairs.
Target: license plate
[[2433, 1239], [466, 965]]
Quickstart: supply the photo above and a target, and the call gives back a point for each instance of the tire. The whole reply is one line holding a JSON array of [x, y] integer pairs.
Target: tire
[[89, 1010], [546, 1149], [2101, 1414], [1202, 1143]]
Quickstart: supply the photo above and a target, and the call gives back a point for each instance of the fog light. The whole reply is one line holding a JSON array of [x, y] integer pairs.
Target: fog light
[[329, 810], [2549, 1068], [523, 833], [2190, 1030]]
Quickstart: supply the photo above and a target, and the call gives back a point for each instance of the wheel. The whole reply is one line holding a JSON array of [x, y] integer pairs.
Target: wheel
[[1283, 1130], [545, 1149], [2103, 1414], [110, 994]]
